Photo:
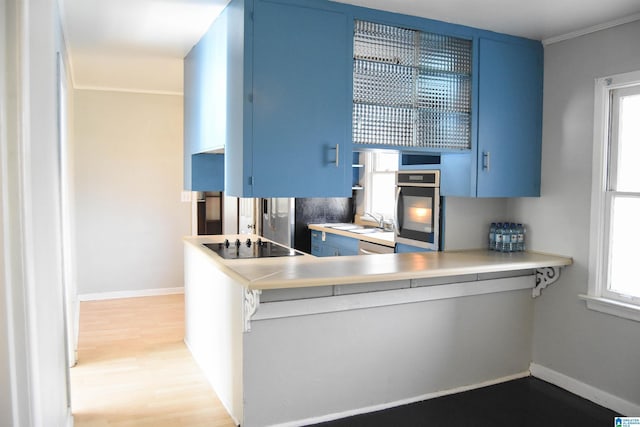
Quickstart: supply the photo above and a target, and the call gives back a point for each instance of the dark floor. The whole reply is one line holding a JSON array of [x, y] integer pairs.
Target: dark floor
[[526, 402]]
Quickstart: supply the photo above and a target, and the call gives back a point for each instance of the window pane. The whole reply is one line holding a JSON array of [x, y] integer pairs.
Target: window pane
[[383, 197], [625, 237], [628, 178], [385, 162]]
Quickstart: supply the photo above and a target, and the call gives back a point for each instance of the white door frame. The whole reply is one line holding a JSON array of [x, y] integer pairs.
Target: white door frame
[[71, 306], [31, 344]]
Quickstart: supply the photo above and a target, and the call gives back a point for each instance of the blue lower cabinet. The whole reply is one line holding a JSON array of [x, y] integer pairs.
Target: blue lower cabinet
[[342, 245], [333, 245], [317, 245], [401, 248]]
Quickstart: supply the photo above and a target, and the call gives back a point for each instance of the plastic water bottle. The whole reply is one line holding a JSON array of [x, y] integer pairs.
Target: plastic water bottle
[[513, 232], [492, 237], [521, 232], [499, 234], [506, 237]]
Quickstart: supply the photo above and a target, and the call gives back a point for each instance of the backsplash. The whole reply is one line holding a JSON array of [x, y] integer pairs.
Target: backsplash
[[319, 210]]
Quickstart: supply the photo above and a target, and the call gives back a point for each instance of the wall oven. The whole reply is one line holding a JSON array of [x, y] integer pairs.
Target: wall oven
[[418, 208]]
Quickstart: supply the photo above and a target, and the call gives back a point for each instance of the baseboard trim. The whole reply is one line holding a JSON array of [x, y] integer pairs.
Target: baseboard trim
[[130, 294], [608, 400], [352, 412]]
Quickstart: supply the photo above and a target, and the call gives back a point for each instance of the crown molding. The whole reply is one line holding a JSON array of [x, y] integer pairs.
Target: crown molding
[[592, 29]]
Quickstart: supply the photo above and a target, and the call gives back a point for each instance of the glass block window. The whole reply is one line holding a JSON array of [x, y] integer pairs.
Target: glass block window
[[410, 88]]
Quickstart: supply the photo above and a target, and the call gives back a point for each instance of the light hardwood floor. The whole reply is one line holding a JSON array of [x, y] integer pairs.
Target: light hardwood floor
[[135, 370]]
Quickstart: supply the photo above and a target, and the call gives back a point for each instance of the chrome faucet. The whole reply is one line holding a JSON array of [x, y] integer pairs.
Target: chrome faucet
[[379, 220]]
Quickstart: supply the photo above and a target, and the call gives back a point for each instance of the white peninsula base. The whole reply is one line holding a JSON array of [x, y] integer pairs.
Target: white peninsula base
[[316, 353]]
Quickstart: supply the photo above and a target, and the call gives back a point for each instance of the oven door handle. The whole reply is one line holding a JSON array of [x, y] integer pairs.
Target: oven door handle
[[399, 210]]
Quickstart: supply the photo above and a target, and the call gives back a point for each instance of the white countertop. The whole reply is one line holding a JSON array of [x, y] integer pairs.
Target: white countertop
[[307, 270], [385, 238]]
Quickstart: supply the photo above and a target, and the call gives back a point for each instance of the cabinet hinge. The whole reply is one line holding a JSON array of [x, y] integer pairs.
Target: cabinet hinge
[[250, 180]]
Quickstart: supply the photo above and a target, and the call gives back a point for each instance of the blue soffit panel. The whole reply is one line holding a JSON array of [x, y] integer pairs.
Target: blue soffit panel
[[207, 172]]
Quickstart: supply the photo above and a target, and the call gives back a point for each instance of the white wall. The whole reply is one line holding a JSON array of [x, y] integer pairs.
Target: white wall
[[594, 348], [128, 182], [468, 220]]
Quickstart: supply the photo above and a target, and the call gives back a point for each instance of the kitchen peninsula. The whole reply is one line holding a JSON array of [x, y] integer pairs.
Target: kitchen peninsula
[[298, 339]]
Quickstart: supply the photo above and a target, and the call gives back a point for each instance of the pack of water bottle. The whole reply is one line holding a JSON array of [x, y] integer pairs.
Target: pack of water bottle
[[507, 237]]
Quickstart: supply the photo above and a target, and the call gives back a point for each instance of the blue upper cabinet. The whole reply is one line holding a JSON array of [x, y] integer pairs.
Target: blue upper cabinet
[[271, 85], [507, 123], [301, 118], [509, 118], [278, 100]]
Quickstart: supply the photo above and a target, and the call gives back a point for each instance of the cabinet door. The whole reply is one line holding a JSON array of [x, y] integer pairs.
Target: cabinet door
[[301, 102], [342, 245], [509, 119], [317, 245]]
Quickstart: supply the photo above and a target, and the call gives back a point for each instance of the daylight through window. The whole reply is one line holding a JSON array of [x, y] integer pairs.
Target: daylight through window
[[623, 280], [614, 277]]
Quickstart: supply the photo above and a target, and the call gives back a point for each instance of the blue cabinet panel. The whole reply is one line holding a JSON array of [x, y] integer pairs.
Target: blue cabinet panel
[[207, 172], [333, 245], [300, 97], [458, 175], [317, 245], [237, 72], [342, 245], [457, 170], [509, 119], [204, 113]]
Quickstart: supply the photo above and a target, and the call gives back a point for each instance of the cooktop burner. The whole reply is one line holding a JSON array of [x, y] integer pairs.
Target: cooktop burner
[[249, 249]]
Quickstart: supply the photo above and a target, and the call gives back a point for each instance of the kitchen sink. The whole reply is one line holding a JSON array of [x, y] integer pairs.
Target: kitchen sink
[[368, 230], [344, 226], [355, 228]]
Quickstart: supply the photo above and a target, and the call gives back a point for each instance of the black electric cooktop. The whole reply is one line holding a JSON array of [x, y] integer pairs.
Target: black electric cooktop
[[250, 249]]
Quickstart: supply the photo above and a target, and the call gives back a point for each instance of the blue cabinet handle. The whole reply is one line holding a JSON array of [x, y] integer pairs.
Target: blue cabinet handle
[[486, 160]]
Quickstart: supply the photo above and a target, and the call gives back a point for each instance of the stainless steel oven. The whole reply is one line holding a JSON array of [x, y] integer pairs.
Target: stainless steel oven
[[418, 208]]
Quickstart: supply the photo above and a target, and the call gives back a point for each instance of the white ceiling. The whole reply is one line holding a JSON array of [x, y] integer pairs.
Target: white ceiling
[[138, 45], [133, 44]]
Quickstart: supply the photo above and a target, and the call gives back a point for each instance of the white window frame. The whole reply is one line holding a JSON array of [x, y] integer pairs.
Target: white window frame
[[599, 297], [369, 170]]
